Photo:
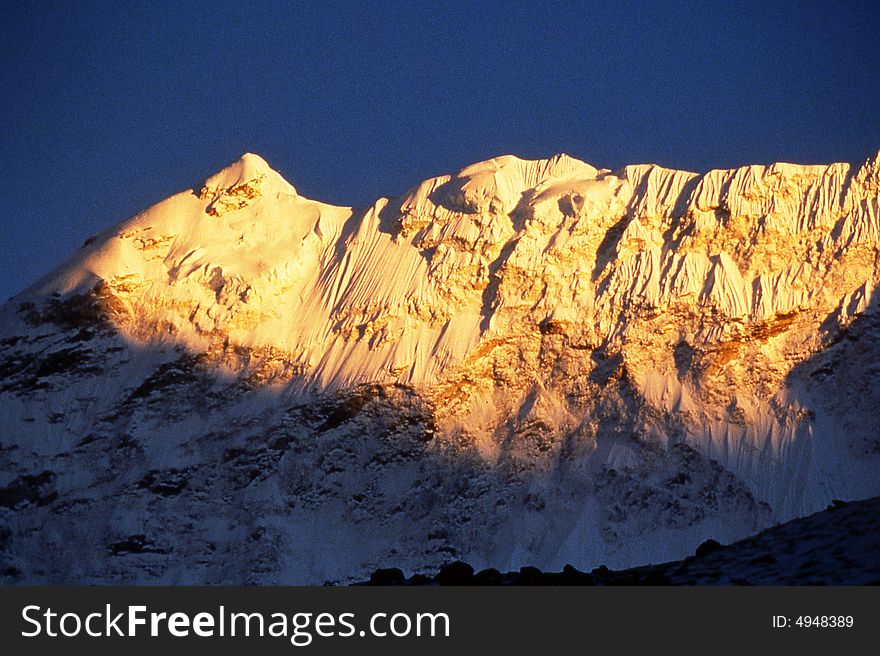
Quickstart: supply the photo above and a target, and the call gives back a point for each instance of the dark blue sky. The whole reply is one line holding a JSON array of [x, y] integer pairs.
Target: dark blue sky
[[108, 108]]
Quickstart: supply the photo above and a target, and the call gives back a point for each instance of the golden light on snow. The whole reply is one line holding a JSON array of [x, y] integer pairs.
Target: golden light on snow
[[469, 284]]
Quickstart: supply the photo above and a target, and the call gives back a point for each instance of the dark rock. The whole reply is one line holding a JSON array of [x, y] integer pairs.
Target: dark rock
[[489, 576], [349, 407], [28, 489], [421, 579], [165, 483], [601, 572], [573, 576], [531, 576], [654, 577], [135, 544], [707, 547], [551, 327], [389, 576], [456, 573]]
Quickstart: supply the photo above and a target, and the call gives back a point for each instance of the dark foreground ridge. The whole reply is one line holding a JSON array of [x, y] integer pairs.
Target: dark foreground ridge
[[838, 546]]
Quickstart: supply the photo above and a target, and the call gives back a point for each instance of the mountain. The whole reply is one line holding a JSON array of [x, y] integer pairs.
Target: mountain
[[524, 363]]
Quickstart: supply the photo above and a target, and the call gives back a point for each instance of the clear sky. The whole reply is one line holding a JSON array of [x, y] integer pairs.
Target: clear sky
[[107, 108]]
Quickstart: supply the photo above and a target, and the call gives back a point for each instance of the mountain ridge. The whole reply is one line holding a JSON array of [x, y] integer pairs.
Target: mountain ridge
[[626, 362]]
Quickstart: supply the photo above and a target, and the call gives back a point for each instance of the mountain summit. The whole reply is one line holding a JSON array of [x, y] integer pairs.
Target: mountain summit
[[523, 363]]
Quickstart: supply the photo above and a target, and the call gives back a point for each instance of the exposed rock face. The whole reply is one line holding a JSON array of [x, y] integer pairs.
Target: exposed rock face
[[525, 363]]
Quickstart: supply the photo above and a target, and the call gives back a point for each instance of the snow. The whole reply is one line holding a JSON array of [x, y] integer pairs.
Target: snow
[[552, 322]]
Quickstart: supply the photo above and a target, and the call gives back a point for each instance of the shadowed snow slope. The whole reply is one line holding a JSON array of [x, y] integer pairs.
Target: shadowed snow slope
[[524, 363], [837, 546]]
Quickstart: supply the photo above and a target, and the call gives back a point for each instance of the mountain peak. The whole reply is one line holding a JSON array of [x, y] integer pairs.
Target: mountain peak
[[239, 183], [246, 167]]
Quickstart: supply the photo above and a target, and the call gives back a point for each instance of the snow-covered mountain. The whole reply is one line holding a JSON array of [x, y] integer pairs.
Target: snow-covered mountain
[[524, 363]]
